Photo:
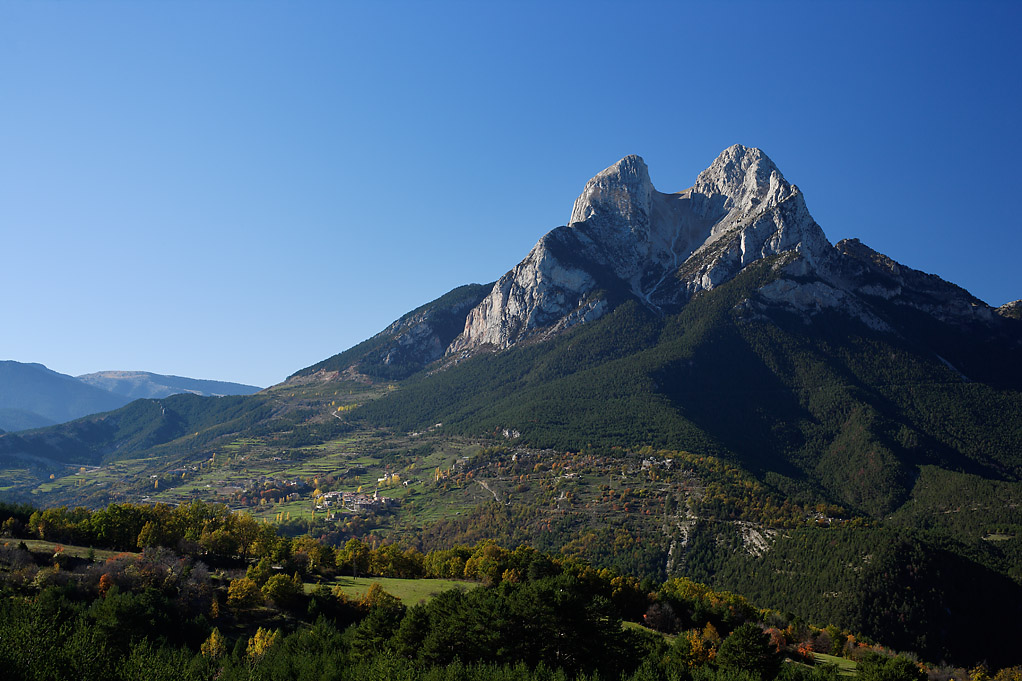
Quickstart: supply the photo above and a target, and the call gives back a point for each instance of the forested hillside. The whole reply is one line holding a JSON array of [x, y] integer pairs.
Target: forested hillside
[[825, 469], [833, 403], [197, 592]]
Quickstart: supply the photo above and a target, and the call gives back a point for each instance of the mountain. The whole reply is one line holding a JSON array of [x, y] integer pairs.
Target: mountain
[[140, 426], [626, 240], [32, 396], [718, 319], [406, 346], [142, 384], [721, 319], [22, 419], [694, 383]]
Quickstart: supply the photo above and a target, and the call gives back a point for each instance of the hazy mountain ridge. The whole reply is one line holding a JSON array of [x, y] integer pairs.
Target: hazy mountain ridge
[[143, 425], [46, 397], [143, 384], [33, 396], [23, 419]]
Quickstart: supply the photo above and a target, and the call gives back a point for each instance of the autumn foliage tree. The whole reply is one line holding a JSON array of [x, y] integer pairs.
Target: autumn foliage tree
[[243, 593]]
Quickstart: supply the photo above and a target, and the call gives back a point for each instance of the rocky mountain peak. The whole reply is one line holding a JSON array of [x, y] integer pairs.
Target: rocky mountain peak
[[626, 239], [741, 181], [738, 168], [619, 194], [628, 242]]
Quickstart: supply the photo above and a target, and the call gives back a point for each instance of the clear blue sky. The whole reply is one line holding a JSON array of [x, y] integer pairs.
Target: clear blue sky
[[236, 190]]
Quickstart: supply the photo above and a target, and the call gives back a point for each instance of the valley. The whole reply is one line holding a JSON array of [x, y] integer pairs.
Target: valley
[[813, 426]]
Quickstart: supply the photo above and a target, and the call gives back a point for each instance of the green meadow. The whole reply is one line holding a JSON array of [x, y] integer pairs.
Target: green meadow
[[410, 591]]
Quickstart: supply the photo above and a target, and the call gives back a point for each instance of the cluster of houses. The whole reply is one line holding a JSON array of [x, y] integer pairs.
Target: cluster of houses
[[355, 501], [653, 462]]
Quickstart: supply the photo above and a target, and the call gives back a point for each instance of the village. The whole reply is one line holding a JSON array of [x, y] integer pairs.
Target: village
[[268, 491], [355, 502]]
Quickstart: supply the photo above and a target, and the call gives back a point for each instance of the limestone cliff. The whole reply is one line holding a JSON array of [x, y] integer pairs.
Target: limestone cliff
[[627, 241], [625, 238]]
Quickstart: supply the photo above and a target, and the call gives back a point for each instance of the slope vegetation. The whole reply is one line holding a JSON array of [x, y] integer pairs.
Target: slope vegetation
[[831, 402]]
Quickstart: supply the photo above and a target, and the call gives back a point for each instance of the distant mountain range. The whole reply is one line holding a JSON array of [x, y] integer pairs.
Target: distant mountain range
[[32, 396], [145, 385]]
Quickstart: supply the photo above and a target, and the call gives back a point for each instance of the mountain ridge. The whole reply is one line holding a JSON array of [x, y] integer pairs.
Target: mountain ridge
[[33, 396], [39, 396], [627, 241], [145, 384]]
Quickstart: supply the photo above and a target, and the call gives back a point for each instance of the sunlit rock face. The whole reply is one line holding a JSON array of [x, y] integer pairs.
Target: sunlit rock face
[[626, 240]]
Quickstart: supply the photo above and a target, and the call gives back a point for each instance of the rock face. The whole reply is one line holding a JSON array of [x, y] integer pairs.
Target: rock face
[[407, 345], [1012, 310], [422, 336], [755, 213], [626, 239], [870, 274]]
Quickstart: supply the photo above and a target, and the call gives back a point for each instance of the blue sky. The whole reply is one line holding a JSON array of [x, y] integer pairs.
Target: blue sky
[[236, 190]]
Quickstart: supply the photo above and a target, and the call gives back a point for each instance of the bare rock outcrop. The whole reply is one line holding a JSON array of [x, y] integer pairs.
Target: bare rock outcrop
[[626, 239], [1012, 310]]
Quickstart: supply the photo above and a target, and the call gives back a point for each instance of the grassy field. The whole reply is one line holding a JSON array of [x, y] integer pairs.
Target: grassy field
[[845, 667], [39, 546], [410, 591], [639, 627]]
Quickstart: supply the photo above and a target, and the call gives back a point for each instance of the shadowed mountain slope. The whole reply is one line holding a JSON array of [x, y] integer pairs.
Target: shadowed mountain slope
[[40, 397]]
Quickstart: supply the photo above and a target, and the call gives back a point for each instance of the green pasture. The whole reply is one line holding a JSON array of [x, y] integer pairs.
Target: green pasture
[[242, 443], [845, 667], [410, 591], [40, 546], [643, 628], [292, 510]]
